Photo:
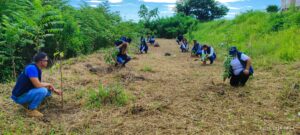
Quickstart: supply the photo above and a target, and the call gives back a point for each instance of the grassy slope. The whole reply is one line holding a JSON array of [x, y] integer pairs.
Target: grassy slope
[[270, 38]]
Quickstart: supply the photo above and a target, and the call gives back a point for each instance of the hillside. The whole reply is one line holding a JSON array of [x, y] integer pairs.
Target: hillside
[[169, 95], [272, 38]]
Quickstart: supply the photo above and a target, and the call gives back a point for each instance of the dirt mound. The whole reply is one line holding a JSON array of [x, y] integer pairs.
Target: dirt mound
[[99, 70], [131, 77]]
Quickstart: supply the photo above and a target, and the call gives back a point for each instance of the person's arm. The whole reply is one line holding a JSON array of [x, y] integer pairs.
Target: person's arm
[[37, 84], [119, 46], [248, 65], [211, 52]]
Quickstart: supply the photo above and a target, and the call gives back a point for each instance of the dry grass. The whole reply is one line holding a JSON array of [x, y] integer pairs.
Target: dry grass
[[180, 97]]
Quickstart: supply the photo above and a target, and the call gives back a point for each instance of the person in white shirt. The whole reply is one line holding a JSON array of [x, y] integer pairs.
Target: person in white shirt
[[240, 68], [208, 53], [184, 45]]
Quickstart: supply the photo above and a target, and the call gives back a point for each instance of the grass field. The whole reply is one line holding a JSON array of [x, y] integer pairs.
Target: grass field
[[164, 95]]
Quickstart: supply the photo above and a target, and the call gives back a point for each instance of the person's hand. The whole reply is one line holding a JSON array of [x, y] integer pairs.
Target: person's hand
[[246, 72], [50, 86], [58, 92]]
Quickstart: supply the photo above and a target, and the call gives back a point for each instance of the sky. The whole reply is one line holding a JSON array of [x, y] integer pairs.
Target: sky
[[129, 8]]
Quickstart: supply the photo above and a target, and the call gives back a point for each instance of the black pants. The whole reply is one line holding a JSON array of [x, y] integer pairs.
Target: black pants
[[239, 80]]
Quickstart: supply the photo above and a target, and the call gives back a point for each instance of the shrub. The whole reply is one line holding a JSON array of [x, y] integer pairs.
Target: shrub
[[110, 55], [147, 69], [112, 94]]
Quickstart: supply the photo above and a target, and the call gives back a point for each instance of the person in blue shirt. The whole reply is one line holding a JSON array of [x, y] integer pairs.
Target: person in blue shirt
[[143, 47], [196, 50], [240, 68], [208, 53], [122, 57], [152, 40], [29, 90]]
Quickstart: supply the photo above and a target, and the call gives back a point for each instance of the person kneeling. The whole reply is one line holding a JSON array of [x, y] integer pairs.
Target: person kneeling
[[196, 50], [208, 53], [240, 68], [29, 90], [122, 57], [184, 45], [144, 47]]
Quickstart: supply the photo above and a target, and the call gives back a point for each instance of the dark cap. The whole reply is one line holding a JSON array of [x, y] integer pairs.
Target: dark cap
[[233, 50]]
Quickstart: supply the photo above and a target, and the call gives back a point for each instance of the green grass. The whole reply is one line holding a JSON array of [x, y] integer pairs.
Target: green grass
[[268, 38], [147, 69], [112, 94]]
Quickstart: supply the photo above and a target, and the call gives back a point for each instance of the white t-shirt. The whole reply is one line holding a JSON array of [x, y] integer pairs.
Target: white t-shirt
[[237, 65], [211, 52]]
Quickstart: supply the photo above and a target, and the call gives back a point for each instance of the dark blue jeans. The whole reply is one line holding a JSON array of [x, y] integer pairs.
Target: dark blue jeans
[[144, 48], [33, 98], [123, 59], [239, 80], [212, 58]]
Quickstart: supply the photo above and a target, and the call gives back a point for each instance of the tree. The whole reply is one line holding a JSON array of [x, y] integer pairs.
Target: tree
[[272, 9], [203, 10], [29, 26], [147, 15]]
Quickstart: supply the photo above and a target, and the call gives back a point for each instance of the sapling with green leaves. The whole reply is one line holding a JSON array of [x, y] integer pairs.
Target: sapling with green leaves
[[226, 65], [110, 56]]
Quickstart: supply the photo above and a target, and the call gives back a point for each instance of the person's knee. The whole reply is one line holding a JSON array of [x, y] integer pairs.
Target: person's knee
[[120, 60], [128, 58], [234, 83], [42, 91]]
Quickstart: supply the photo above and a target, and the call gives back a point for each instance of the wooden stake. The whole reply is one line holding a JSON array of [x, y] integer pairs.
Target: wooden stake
[[61, 82]]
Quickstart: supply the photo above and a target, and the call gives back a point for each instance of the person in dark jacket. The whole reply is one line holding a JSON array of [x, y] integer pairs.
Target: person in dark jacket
[[208, 53], [197, 49], [240, 68], [184, 46], [152, 40], [143, 47], [29, 90], [179, 38]]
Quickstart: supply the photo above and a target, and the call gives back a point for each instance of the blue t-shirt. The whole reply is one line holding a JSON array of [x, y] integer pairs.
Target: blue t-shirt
[[31, 71], [24, 83]]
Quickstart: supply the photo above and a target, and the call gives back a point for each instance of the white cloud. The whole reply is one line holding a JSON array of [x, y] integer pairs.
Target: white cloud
[[115, 1], [231, 15], [94, 1], [93, 5], [226, 1], [171, 7], [160, 1]]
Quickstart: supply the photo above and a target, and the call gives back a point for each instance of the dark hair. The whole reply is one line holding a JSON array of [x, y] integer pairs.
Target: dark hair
[[39, 56], [129, 40], [205, 46]]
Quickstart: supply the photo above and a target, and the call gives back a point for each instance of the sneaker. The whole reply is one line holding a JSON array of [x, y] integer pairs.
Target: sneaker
[[34, 113]]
